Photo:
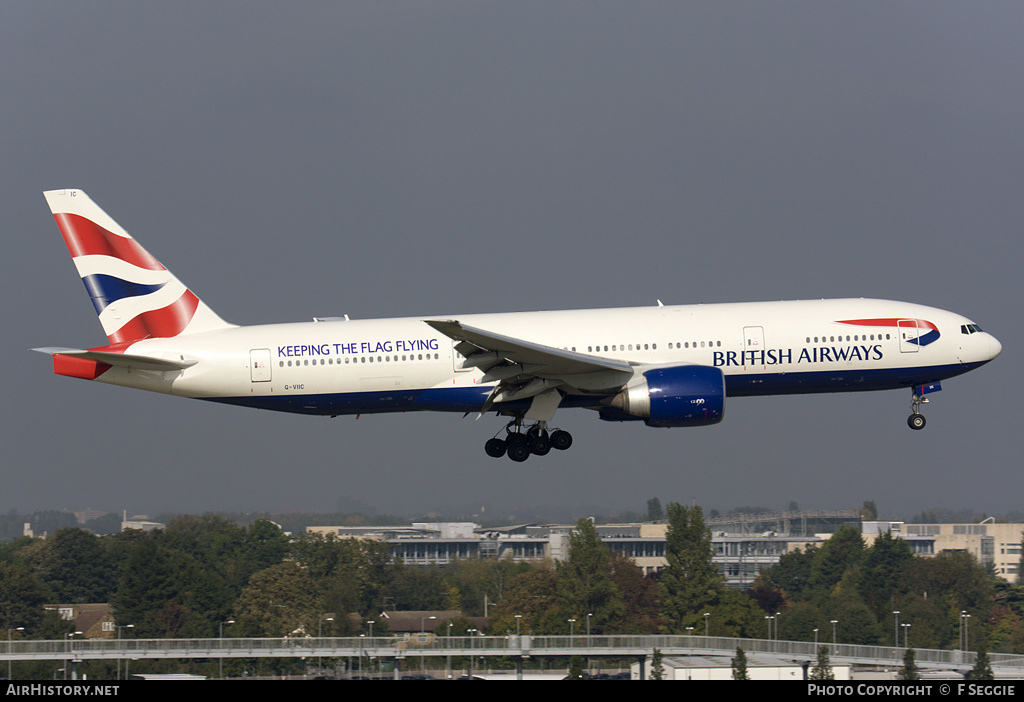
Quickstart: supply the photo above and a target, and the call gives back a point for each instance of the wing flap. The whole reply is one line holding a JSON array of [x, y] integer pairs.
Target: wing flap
[[540, 360]]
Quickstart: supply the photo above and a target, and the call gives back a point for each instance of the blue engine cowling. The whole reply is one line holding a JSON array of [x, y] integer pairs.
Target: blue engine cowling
[[680, 396]]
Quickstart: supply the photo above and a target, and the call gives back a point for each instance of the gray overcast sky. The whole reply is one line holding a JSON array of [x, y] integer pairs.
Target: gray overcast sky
[[379, 159]]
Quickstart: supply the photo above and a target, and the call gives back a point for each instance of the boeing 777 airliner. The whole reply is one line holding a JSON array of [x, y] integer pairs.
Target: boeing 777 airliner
[[668, 366]]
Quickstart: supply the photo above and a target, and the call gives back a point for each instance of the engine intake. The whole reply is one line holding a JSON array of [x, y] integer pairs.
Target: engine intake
[[680, 396]]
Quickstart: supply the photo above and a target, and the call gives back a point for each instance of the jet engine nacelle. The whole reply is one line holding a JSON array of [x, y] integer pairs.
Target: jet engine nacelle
[[679, 396]]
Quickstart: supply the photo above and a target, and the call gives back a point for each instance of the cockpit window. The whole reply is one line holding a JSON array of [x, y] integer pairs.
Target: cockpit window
[[969, 328]]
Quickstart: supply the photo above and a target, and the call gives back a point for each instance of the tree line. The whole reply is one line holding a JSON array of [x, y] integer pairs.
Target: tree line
[[205, 574]]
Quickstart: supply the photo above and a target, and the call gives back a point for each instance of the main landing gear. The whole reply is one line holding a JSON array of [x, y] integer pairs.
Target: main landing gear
[[535, 440], [917, 420]]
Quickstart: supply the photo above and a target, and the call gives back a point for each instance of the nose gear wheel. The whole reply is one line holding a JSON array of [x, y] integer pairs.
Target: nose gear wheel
[[916, 420]]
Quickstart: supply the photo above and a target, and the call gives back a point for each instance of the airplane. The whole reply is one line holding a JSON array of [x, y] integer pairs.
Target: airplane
[[667, 366]]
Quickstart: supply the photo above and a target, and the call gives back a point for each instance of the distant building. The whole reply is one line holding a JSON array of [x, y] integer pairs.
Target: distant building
[[743, 544], [140, 522], [422, 626], [759, 667], [85, 515], [995, 546], [95, 621]]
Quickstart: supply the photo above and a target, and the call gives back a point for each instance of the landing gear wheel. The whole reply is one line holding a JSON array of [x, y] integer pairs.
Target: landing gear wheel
[[916, 419], [561, 440], [540, 445], [518, 451], [521, 441], [538, 440], [495, 448]]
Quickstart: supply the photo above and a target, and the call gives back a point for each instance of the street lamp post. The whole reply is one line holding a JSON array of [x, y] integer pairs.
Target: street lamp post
[[221, 637], [119, 627], [423, 626], [964, 624], [448, 658], [320, 635], [423, 659], [9, 649], [71, 661]]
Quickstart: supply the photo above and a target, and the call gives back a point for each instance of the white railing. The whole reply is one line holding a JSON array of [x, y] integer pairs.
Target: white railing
[[536, 646]]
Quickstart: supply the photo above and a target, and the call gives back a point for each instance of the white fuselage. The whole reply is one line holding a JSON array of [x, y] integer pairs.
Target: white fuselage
[[403, 364]]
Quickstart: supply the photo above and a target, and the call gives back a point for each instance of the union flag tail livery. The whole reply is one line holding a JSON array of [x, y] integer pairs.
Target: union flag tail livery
[[667, 366], [134, 295]]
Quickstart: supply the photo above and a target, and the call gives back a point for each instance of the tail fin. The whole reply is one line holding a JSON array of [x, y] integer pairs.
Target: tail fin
[[134, 296]]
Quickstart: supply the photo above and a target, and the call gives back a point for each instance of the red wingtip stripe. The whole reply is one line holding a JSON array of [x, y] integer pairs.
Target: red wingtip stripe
[[84, 237], [164, 322]]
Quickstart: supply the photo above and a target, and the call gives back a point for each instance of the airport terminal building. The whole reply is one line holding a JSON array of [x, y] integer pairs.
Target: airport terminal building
[[743, 544]]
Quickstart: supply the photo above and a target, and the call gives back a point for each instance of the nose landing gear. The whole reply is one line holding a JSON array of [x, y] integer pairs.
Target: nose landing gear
[[916, 420], [520, 444]]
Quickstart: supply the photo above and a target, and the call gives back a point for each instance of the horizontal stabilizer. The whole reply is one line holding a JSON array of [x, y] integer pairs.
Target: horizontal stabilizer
[[120, 359]]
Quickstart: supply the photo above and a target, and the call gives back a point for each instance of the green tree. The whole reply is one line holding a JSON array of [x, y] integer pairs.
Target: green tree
[[732, 613], [585, 584], [264, 545], [857, 623], [75, 567], [22, 597], [639, 595], [358, 573], [822, 669], [530, 605], [739, 665], [841, 553], [657, 666], [690, 583], [789, 577], [576, 669], [932, 626], [281, 600], [418, 589], [909, 671], [982, 670], [1006, 626], [881, 570], [798, 623], [472, 581], [163, 593], [952, 582], [654, 511]]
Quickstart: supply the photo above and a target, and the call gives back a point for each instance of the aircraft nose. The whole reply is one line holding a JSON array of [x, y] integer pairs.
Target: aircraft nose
[[994, 347]]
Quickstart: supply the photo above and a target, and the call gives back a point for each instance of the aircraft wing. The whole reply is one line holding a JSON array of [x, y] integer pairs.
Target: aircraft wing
[[486, 350], [524, 369]]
